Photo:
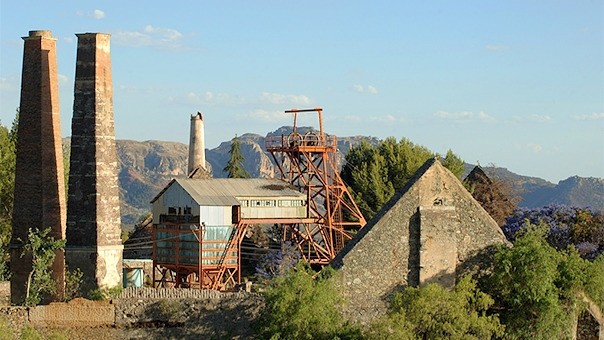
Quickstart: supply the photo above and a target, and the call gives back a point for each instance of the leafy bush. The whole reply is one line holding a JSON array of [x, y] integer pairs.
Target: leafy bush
[[73, 283], [536, 287], [41, 246], [433, 312], [301, 307], [104, 293]]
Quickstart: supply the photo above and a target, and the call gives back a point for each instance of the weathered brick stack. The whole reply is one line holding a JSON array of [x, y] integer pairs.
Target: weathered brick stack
[[93, 214], [432, 230], [39, 199]]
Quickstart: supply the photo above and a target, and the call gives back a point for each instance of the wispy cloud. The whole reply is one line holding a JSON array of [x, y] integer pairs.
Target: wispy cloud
[[9, 84], [268, 116], [362, 89], [210, 98], [540, 118], [96, 14], [63, 79], [284, 99], [496, 47], [150, 36], [592, 116], [379, 119], [465, 115], [534, 147]]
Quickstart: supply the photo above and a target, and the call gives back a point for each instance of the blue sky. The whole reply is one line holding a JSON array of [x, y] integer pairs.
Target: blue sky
[[519, 84]]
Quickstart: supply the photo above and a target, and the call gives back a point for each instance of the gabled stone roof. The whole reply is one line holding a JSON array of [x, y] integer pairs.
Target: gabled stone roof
[[430, 231]]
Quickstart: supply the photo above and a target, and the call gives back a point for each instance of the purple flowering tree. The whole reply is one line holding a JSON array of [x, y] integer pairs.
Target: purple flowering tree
[[278, 262], [582, 228]]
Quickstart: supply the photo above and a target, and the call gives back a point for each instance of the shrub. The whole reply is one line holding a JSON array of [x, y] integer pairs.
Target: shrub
[[299, 306], [433, 312]]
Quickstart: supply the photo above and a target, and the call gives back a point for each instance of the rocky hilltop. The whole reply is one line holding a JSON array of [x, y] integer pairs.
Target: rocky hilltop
[[146, 167], [536, 192]]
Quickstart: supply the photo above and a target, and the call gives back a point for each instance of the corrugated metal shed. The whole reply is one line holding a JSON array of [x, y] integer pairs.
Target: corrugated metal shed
[[225, 191]]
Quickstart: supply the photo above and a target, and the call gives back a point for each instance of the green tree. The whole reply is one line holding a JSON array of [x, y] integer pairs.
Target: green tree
[[299, 306], [454, 163], [42, 247], [8, 160], [537, 288], [374, 174], [235, 167]]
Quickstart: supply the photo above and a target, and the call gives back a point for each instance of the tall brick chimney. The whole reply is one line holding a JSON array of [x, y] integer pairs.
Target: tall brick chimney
[[39, 197], [197, 152], [93, 211]]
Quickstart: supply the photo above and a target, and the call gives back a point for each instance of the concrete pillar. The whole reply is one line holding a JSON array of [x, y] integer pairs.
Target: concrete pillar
[[93, 211], [197, 151], [39, 198]]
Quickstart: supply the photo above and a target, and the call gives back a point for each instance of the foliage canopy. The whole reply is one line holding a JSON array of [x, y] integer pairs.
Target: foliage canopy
[[536, 287], [433, 312], [8, 160], [301, 307], [374, 174]]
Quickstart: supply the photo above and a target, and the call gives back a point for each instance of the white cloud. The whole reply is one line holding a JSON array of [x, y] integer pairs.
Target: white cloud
[[385, 119], [361, 89], [98, 14], [150, 36], [540, 118], [63, 79], [593, 116], [284, 99], [536, 148], [268, 116], [379, 119], [212, 98], [497, 47], [465, 115], [9, 84]]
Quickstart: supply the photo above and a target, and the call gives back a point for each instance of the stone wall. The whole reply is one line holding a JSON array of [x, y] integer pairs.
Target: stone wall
[[432, 230], [147, 313]]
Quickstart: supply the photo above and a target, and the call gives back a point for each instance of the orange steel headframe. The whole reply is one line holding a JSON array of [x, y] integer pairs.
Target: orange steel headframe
[[307, 161]]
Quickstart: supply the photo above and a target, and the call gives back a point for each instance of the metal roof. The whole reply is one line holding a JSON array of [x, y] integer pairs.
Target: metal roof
[[225, 191]]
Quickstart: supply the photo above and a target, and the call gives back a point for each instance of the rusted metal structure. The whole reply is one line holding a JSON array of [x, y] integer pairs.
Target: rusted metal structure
[[307, 161], [198, 226]]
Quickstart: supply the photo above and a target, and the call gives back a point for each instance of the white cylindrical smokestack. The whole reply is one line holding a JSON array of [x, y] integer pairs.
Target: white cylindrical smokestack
[[197, 152]]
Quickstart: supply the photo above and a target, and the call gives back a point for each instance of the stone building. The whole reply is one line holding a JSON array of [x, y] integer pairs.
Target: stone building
[[93, 211], [39, 197], [432, 230]]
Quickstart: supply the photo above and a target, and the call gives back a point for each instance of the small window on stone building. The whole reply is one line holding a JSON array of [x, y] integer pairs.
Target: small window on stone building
[[171, 210]]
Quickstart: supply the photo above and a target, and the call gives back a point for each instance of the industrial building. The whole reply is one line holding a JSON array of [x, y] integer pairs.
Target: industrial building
[[212, 215]]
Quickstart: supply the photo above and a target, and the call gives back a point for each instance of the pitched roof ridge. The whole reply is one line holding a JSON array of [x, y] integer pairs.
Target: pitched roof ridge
[[337, 261]]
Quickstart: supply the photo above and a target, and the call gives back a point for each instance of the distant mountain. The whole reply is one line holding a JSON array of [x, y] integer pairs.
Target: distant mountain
[[583, 192], [145, 168]]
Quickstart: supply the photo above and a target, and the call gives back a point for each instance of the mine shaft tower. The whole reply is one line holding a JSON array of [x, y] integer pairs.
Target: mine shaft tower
[[307, 161]]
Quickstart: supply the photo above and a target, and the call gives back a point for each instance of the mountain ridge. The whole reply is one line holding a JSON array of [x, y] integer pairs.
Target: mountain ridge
[[145, 167]]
